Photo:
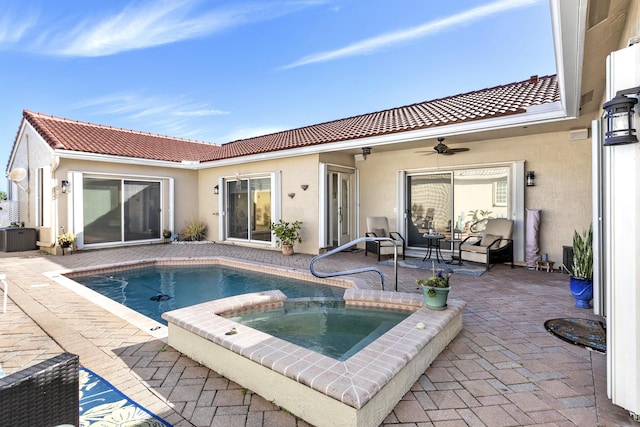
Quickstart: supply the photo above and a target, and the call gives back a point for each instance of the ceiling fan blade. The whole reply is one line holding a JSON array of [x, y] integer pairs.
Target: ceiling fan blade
[[457, 150]]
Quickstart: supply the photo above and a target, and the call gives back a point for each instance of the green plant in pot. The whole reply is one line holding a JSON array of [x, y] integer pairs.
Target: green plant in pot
[[581, 271], [436, 290], [287, 234], [66, 240]]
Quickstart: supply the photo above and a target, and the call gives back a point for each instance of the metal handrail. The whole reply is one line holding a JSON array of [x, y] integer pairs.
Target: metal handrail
[[358, 270]]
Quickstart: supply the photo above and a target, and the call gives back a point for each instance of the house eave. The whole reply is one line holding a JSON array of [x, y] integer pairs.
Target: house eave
[[568, 20], [545, 113], [94, 157]]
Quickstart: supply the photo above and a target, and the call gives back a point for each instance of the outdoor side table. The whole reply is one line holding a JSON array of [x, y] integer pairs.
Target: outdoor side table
[[433, 242]]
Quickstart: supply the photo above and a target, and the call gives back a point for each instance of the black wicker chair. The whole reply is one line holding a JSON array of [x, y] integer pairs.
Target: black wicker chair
[[45, 394]]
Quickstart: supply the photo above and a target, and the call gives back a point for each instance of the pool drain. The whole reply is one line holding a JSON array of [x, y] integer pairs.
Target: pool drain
[[160, 297]]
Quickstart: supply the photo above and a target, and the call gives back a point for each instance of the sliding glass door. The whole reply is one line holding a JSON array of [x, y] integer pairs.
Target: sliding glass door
[[451, 202], [118, 210], [249, 209]]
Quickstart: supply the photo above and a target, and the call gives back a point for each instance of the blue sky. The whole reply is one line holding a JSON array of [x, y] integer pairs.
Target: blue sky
[[222, 70]]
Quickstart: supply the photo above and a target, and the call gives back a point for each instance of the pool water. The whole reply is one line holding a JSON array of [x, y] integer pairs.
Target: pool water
[[153, 290], [326, 327]]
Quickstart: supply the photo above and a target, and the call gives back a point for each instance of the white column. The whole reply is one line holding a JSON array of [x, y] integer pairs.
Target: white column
[[621, 262]]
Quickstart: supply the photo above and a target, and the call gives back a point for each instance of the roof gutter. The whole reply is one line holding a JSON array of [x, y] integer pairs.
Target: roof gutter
[[96, 157], [568, 20]]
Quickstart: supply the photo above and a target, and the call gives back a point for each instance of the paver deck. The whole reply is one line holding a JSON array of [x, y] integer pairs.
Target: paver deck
[[503, 369]]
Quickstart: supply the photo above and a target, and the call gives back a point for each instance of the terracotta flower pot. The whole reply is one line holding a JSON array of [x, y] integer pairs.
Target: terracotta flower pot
[[287, 250]]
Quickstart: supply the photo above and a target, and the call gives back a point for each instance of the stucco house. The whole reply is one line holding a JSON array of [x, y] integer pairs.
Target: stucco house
[[114, 186]]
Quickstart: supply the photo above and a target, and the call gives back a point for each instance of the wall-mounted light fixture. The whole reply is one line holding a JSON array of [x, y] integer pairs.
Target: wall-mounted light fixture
[[216, 190], [531, 176], [304, 187], [361, 157], [65, 186], [619, 114], [291, 195]]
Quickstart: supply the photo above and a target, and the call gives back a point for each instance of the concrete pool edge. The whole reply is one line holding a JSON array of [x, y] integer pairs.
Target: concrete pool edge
[[360, 391]]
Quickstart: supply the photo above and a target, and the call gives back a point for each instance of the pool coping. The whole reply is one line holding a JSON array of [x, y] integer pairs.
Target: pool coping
[[156, 329], [361, 390]]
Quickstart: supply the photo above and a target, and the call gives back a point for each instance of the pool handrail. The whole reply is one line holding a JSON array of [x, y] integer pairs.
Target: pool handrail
[[358, 270]]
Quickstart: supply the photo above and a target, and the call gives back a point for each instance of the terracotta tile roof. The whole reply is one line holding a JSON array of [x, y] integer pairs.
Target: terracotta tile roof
[[498, 101], [65, 134]]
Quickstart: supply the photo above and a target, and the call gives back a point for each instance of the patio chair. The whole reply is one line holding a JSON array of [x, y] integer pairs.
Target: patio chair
[[378, 226], [492, 246], [45, 394]]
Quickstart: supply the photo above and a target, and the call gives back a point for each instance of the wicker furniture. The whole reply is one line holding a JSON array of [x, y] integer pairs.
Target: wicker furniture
[[494, 245], [45, 394]]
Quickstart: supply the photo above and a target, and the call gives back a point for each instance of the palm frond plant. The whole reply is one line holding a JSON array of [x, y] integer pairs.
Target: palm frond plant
[[194, 230]]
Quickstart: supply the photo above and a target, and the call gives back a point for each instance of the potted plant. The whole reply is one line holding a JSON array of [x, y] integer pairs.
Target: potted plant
[[581, 280], [436, 290], [166, 233], [66, 240], [287, 234]]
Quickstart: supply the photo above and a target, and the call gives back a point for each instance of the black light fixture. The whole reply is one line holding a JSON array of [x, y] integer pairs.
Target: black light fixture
[[216, 190], [531, 176], [619, 114], [65, 186], [366, 151]]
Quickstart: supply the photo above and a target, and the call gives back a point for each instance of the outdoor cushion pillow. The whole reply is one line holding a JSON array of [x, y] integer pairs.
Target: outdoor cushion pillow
[[379, 232], [487, 239]]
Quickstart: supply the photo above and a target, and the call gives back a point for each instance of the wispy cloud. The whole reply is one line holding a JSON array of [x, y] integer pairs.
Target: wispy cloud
[[201, 113], [385, 41], [15, 26], [176, 116], [157, 23]]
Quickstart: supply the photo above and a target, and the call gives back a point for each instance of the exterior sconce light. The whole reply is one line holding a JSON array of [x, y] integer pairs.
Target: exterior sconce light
[[304, 187], [619, 114], [216, 190], [361, 157], [531, 176], [65, 186], [291, 195]]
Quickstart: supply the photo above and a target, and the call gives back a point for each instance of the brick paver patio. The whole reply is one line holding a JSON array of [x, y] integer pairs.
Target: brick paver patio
[[503, 369]]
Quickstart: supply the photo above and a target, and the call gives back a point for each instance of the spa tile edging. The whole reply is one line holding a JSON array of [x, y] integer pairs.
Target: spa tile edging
[[353, 382]]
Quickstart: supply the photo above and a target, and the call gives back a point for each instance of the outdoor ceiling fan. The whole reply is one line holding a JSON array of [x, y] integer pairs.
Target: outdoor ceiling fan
[[442, 148]]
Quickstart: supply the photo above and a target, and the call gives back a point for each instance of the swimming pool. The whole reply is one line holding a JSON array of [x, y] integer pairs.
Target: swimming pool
[[153, 290]]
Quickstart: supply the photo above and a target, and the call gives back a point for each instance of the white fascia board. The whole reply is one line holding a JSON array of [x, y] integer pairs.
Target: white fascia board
[[568, 20], [94, 157]]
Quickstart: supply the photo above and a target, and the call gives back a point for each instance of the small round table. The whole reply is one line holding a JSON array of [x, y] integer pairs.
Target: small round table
[[433, 242]]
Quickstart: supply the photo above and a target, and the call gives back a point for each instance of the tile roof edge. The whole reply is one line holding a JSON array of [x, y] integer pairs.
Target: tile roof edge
[[530, 80], [32, 115]]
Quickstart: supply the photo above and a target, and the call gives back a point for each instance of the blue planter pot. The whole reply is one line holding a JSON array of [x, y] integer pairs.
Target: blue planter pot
[[582, 290]]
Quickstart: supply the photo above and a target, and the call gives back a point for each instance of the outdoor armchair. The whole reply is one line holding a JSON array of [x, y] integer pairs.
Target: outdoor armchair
[[492, 246], [378, 226]]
